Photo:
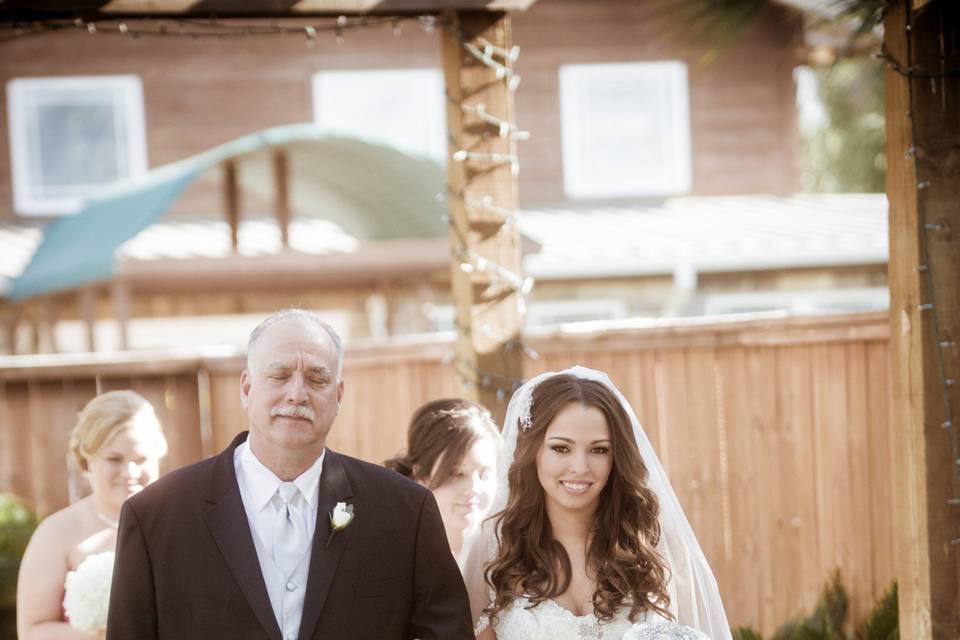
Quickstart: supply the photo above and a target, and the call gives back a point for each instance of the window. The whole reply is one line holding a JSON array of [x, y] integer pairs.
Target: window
[[401, 108], [626, 129], [70, 135]]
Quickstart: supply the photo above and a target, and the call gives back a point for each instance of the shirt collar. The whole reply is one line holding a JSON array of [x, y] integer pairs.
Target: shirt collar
[[263, 483]]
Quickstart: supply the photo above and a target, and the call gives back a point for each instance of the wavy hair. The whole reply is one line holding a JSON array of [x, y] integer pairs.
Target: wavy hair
[[624, 533], [441, 433], [104, 417]]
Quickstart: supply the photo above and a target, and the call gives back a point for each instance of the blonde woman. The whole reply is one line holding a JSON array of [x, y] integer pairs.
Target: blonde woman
[[117, 444]]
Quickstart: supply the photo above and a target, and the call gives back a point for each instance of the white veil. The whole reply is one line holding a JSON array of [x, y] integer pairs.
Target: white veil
[[694, 595]]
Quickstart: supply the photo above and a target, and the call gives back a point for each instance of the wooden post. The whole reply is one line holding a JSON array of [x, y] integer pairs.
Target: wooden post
[[12, 321], [231, 202], [121, 306], [486, 272], [48, 311], [923, 156], [281, 172], [87, 306]]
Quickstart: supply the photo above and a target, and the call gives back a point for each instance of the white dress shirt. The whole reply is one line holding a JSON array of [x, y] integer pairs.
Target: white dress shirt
[[257, 487]]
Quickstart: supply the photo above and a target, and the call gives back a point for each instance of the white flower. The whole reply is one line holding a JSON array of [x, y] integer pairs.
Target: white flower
[[87, 592], [342, 516]]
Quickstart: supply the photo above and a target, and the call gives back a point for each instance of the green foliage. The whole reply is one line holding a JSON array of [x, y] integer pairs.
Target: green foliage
[[717, 24], [746, 633], [882, 623], [845, 151], [17, 523], [828, 619]]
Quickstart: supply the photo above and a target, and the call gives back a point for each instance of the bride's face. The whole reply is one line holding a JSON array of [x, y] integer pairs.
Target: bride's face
[[575, 459], [123, 466]]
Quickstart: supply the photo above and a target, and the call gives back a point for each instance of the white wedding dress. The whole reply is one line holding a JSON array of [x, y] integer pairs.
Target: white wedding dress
[[550, 621]]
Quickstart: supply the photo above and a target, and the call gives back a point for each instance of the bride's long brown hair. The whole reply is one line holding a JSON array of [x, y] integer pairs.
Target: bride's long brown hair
[[623, 536]]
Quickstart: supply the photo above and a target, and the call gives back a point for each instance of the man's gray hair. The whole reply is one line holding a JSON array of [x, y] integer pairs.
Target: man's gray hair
[[300, 315]]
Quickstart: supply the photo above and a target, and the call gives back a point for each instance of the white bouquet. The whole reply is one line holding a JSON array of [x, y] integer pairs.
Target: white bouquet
[[662, 630], [87, 592]]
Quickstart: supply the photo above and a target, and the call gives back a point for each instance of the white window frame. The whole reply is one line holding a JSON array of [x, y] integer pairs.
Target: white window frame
[[585, 176], [426, 87], [25, 94]]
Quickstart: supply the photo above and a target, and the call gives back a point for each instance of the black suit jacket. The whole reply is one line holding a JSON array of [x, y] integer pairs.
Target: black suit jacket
[[187, 568]]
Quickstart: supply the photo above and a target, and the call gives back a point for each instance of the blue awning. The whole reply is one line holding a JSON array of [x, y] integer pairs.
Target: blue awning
[[373, 192]]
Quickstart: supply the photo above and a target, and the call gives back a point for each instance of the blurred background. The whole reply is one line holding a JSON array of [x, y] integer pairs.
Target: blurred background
[[700, 213]]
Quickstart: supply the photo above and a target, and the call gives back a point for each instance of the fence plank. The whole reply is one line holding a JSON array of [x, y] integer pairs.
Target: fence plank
[[880, 453], [16, 442], [743, 537]]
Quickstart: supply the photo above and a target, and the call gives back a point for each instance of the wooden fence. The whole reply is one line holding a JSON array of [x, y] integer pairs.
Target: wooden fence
[[776, 433]]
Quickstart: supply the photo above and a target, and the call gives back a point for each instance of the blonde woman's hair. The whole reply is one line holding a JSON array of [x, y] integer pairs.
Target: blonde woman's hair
[[104, 417]]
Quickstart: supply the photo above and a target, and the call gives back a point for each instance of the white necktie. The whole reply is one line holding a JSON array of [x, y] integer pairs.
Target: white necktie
[[289, 530]]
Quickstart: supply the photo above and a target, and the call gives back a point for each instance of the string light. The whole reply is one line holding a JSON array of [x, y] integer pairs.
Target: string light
[[501, 281], [489, 48], [428, 22], [196, 29], [912, 72], [507, 217], [504, 127], [501, 71]]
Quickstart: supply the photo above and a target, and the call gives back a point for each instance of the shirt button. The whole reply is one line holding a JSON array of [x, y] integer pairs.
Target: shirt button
[[291, 587]]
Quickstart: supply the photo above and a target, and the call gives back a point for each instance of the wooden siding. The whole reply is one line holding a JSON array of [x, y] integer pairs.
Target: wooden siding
[[776, 434], [198, 94]]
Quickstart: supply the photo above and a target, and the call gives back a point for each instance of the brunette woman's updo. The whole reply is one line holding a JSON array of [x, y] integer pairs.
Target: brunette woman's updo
[[440, 434]]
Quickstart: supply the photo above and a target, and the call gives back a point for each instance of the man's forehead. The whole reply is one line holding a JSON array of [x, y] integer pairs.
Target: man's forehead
[[308, 362], [294, 334], [289, 340]]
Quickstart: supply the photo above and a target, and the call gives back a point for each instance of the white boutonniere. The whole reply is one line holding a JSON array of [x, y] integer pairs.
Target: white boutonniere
[[340, 519]]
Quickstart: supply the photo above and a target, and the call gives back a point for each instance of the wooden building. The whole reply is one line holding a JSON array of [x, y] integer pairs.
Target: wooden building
[[623, 107]]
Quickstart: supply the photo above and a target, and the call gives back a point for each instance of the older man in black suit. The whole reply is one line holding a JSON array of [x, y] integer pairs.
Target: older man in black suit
[[279, 537]]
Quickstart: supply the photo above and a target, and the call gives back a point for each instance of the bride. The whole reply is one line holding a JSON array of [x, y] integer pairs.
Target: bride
[[587, 540]]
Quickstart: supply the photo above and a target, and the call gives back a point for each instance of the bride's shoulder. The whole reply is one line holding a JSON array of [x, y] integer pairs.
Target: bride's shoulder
[[661, 629]]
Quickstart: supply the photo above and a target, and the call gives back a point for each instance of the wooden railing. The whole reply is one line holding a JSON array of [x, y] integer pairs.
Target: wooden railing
[[776, 433]]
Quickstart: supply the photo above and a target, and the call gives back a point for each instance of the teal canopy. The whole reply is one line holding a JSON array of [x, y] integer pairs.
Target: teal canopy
[[373, 192]]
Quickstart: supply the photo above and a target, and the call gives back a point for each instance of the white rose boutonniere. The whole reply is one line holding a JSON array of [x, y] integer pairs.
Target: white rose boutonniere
[[340, 519]]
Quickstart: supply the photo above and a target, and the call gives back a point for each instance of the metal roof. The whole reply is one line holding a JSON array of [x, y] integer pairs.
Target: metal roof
[[372, 192], [728, 233], [725, 233]]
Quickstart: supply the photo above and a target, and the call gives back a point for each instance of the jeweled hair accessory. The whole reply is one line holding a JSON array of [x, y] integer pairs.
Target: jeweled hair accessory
[[525, 419]]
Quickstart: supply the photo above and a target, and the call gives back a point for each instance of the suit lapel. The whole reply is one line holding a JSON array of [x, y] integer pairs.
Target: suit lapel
[[227, 521], [324, 559]]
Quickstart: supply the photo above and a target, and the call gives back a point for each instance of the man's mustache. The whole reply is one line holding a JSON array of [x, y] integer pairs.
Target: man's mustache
[[293, 411]]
